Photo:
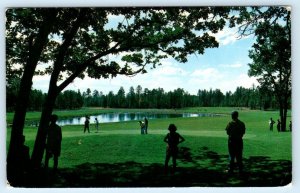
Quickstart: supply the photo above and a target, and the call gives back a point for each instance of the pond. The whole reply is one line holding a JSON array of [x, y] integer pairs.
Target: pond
[[119, 117]]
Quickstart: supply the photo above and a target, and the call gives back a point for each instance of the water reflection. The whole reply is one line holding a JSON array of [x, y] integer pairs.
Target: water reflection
[[119, 117]]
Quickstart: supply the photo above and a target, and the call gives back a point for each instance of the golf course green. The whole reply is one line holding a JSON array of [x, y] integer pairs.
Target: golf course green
[[119, 156]]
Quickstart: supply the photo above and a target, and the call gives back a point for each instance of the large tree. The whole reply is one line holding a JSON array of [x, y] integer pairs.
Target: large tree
[[80, 42], [271, 63], [27, 33], [271, 53]]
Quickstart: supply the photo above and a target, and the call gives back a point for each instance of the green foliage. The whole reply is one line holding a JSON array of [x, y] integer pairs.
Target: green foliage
[[69, 99], [271, 54], [81, 38], [79, 42], [12, 89], [36, 100], [255, 98], [21, 25], [272, 57]]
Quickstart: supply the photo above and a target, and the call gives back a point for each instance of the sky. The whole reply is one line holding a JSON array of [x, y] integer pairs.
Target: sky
[[224, 68]]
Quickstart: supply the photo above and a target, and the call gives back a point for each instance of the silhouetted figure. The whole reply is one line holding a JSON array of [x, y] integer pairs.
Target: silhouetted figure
[[53, 146], [278, 125], [86, 124], [142, 125], [290, 126], [146, 125], [97, 125], [172, 139], [235, 131], [271, 123]]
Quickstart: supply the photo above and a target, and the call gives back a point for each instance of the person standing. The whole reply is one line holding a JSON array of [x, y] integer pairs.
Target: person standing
[[271, 123], [146, 125], [53, 145], [235, 130], [97, 125], [142, 125], [278, 125], [172, 139], [86, 124], [290, 126]]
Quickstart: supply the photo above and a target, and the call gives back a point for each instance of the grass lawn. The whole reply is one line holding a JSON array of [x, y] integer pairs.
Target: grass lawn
[[119, 156]]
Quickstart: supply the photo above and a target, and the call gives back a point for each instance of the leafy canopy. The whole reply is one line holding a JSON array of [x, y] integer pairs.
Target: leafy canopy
[[140, 36]]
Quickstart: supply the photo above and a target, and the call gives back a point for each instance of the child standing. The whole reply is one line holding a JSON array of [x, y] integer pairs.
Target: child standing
[[172, 139]]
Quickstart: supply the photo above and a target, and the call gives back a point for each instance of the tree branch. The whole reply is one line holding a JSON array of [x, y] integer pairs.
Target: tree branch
[[84, 65], [58, 64]]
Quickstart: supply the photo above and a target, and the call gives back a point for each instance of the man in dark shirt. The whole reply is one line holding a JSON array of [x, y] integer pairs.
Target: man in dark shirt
[[146, 125], [86, 124], [53, 146], [235, 131]]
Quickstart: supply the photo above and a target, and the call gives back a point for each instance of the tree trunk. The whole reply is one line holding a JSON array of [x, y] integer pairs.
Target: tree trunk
[[40, 142], [14, 173], [283, 120], [15, 146], [283, 115]]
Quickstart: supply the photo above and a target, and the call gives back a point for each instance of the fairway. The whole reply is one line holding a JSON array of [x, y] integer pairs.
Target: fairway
[[119, 156]]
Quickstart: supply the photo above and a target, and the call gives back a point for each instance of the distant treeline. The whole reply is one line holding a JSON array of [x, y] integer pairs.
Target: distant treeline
[[254, 98]]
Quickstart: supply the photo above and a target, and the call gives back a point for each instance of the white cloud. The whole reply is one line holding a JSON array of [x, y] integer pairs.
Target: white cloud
[[168, 70], [245, 81], [207, 74], [167, 83], [209, 78], [235, 65], [227, 36], [212, 78], [240, 80], [148, 80]]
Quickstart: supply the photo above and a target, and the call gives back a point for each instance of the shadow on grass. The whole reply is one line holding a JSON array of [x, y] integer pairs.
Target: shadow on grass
[[204, 169]]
